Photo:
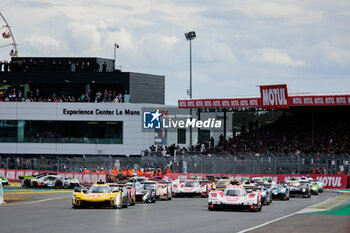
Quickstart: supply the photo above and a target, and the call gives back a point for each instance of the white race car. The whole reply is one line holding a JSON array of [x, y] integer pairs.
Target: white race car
[[176, 184], [49, 180], [234, 197], [190, 188], [164, 190], [320, 186]]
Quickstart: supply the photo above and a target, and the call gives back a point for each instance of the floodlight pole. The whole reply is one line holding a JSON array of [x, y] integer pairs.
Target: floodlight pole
[[190, 36], [115, 55], [191, 94]]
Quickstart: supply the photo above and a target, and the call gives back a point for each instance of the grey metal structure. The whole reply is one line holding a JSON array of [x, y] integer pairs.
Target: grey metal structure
[[196, 163]]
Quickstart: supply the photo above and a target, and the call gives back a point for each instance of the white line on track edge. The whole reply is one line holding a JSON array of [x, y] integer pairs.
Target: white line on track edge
[[33, 202], [287, 216]]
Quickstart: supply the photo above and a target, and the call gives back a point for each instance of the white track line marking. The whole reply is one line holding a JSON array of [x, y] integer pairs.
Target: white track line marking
[[33, 202], [287, 216]]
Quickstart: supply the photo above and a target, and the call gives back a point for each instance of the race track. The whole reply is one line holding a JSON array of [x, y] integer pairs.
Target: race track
[[179, 215]]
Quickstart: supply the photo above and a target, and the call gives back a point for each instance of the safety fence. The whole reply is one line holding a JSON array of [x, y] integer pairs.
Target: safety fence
[[83, 178], [269, 163], [329, 181]]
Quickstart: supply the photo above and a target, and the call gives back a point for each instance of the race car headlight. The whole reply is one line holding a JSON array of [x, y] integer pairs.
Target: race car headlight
[[313, 188], [304, 190], [283, 190], [263, 193]]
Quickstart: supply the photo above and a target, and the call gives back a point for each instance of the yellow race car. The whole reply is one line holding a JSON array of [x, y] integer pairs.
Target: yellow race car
[[99, 195]]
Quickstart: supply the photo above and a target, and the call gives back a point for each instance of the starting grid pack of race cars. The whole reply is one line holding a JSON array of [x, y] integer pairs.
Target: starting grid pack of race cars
[[222, 193]]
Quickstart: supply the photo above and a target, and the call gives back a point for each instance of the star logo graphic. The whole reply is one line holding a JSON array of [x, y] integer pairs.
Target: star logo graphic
[[156, 115]]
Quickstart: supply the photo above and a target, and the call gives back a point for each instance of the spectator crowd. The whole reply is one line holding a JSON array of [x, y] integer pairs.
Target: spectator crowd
[[34, 66], [17, 95], [289, 134]]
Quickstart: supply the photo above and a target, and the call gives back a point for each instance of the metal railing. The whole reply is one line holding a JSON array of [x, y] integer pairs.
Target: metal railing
[[270, 163]]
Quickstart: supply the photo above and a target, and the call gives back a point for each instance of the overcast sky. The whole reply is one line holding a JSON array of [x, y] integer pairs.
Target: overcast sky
[[240, 43]]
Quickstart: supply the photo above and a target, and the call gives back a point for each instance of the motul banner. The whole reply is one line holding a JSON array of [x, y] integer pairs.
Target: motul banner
[[220, 103], [274, 96], [318, 100], [329, 181], [83, 178]]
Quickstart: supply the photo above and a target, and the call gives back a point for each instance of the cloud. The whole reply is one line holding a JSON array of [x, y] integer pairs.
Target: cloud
[[273, 10], [43, 42], [239, 44], [274, 56], [333, 54]]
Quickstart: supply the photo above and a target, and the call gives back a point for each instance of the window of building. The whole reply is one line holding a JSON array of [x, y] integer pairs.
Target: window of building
[[181, 136], [62, 132]]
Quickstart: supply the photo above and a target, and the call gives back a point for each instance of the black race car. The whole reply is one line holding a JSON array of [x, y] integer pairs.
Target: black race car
[[300, 187], [146, 191]]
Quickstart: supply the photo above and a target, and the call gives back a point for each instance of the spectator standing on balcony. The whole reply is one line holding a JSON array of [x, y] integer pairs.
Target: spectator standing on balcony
[[37, 95], [77, 66], [104, 67], [89, 94], [120, 97], [69, 66], [98, 97], [88, 67], [6, 66], [82, 98], [59, 66], [116, 100], [105, 96], [96, 67], [53, 67], [83, 67]]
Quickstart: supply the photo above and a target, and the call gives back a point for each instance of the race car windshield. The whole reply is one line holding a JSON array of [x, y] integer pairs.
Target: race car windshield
[[190, 184], [295, 183], [233, 192], [222, 182], [99, 189], [148, 186], [50, 178]]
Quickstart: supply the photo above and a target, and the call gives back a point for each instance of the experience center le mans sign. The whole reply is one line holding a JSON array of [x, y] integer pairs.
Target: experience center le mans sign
[[97, 111], [271, 97]]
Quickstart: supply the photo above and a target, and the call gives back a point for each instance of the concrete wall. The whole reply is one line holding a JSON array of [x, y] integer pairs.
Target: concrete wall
[[134, 140]]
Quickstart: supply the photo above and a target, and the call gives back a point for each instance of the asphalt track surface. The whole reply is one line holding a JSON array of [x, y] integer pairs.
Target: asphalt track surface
[[178, 216]]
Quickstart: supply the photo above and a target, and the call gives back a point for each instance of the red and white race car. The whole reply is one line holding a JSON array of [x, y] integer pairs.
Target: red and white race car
[[164, 190], [234, 197], [191, 188]]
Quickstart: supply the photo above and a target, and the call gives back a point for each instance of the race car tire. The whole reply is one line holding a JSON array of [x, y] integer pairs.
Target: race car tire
[[75, 206], [125, 203], [59, 184], [34, 185], [26, 183]]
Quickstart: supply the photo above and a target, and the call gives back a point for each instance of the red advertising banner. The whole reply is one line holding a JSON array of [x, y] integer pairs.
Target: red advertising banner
[[274, 96], [83, 178], [220, 103], [318, 100], [329, 181]]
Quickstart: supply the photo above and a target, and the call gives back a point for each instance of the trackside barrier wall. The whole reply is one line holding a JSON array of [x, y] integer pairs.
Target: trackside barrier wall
[[329, 181], [83, 178]]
